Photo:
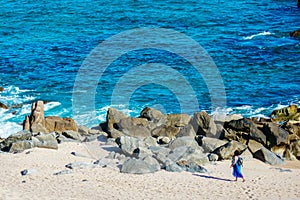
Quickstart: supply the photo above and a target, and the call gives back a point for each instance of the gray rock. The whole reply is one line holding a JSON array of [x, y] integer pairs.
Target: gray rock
[[140, 166], [134, 147], [43, 140], [227, 151], [113, 117], [254, 146], [20, 146], [173, 167], [203, 124], [188, 130], [188, 154], [183, 141], [19, 136], [151, 114], [210, 144], [134, 127], [267, 156], [275, 134], [72, 135]]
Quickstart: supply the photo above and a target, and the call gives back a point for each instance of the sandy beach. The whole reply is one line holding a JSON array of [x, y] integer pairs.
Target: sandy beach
[[262, 181]]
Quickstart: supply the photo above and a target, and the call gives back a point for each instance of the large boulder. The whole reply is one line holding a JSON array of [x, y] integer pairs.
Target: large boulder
[[203, 124], [136, 147], [210, 144], [247, 126], [275, 135], [134, 127], [45, 140], [227, 150], [291, 112], [151, 114], [36, 119], [297, 32], [184, 141], [19, 136], [188, 154], [295, 146], [268, 157], [140, 166], [58, 124], [20, 146], [254, 146], [113, 117]]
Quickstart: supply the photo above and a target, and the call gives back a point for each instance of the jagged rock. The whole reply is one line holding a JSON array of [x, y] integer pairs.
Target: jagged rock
[[191, 167], [188, 130], [295, 146], [43, 140], [140, 166], [210, 144], [58, 124], [2, 105], [19, 136], [291, 112], [247, 126], [113, 117], [227, 151], [166, 131], [134, 127], [72, 135], [135, 147], [20, 146], [267, 156], [254, 146], [37, 120], [183, 141], [177, 120], [297, 32], [26, 123], [275, 135], [247, 155], [188, 154], [151, 114], [203, 124], [160, 154], [279, 150]]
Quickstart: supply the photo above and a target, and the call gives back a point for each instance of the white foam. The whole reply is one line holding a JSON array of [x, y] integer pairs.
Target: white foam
[[51, 105], [9, 128], [259, 34]]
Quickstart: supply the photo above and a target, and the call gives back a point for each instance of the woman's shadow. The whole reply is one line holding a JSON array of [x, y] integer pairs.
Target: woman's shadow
[[212, 177]]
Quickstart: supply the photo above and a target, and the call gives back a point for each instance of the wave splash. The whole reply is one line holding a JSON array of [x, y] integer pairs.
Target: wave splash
[[259, 34]]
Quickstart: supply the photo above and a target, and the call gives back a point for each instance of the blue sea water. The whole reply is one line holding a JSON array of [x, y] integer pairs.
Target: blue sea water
[[44, 44]]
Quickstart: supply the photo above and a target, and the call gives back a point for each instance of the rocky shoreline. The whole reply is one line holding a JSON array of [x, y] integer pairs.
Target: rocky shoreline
[[172, 142]]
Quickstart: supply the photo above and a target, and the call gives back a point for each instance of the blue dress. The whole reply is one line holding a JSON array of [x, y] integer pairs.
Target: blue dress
[[237, 170]]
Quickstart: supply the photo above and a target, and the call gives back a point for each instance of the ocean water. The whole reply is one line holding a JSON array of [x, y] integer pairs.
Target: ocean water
[[45, 47]]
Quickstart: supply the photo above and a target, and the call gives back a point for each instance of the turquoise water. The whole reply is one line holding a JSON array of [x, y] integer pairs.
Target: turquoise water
[[43, 45]]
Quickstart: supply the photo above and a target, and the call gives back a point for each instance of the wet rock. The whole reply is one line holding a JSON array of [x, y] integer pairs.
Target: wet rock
[[297, 32], [2, 105]]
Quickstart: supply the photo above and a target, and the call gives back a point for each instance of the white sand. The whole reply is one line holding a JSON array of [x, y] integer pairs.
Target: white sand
[[262, 181]]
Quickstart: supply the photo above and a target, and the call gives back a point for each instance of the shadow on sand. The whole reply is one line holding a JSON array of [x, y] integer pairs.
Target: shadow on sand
[[212, 177]]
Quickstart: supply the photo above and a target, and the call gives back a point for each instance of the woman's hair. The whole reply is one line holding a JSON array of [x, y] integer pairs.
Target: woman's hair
[[236, 153]]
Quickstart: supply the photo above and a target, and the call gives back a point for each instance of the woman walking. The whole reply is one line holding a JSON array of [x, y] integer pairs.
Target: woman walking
[[237, 163]]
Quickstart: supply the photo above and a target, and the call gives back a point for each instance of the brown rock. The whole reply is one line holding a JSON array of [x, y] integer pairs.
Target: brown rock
[[57, 124], [37, 120], [1, 89], [297, 32], [2, 105]]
